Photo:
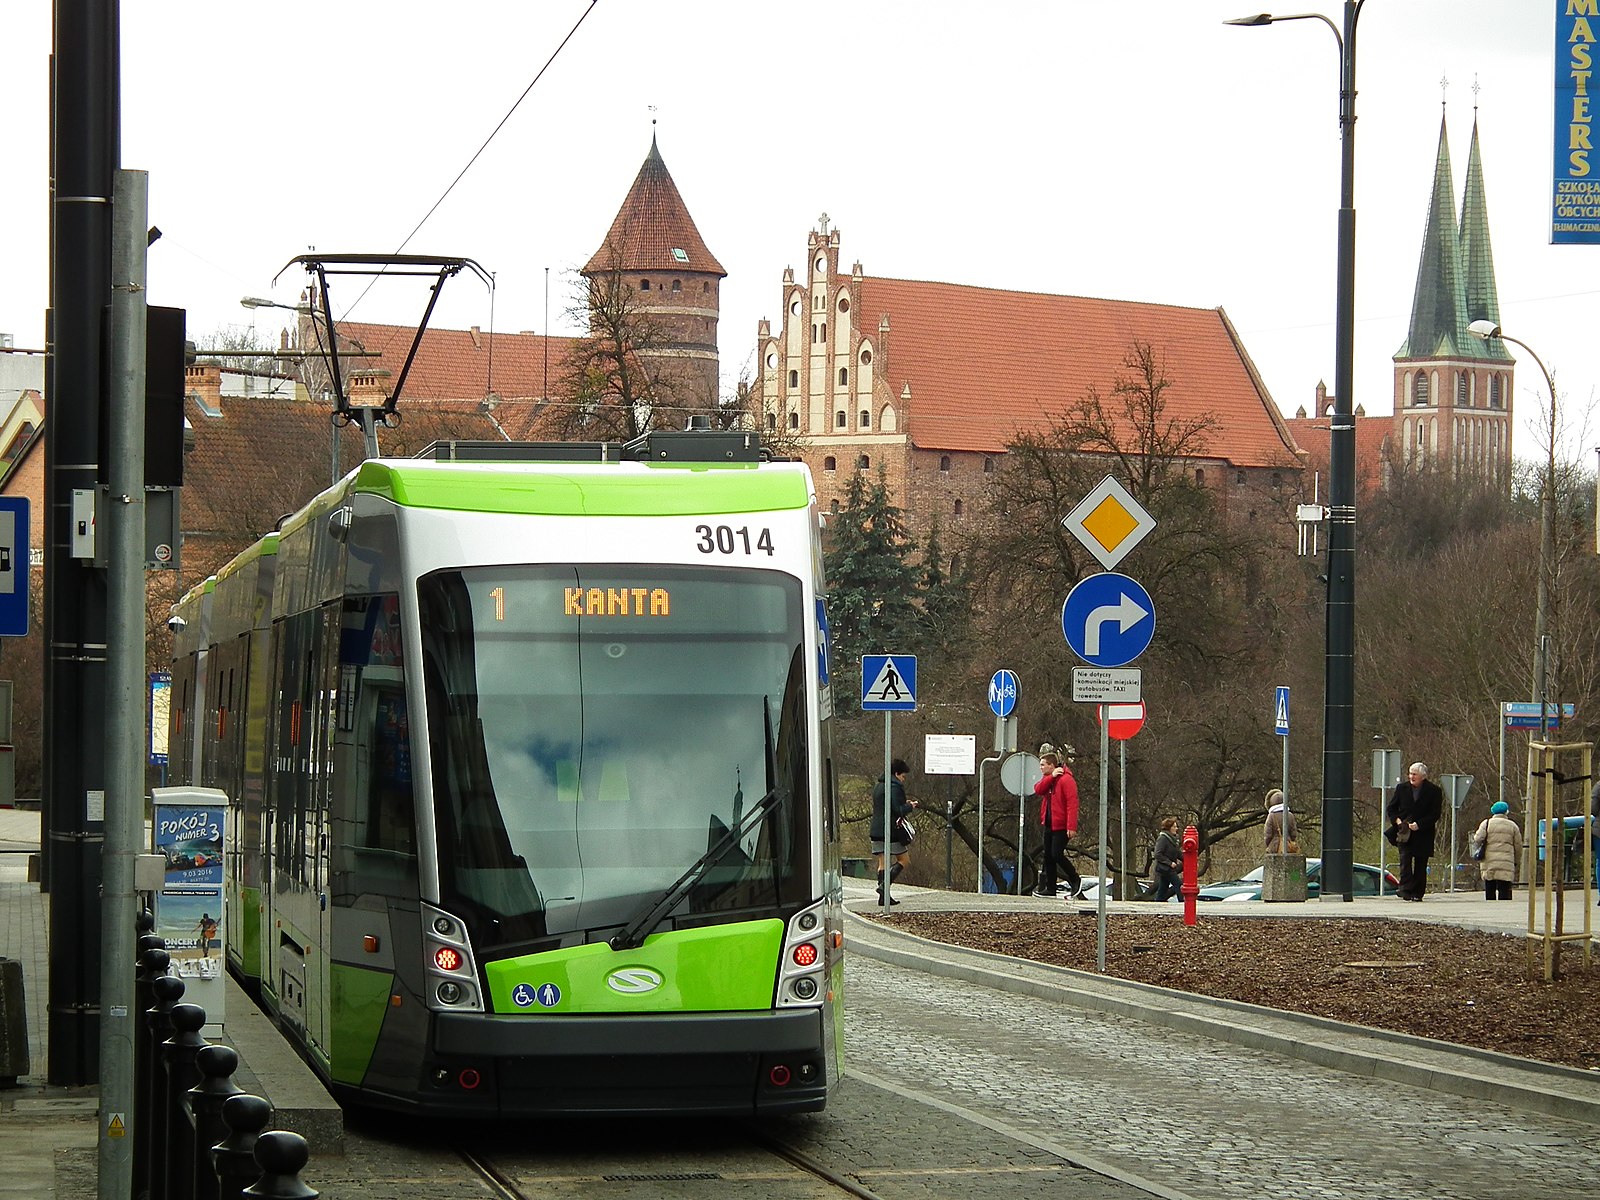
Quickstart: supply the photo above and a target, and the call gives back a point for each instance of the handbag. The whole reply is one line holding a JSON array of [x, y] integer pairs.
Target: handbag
[[904, 831], [1476, 846], [1398, 835]]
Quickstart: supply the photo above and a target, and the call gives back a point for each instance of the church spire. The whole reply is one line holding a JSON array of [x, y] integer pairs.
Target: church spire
[[1439, 307], [1477, 259]]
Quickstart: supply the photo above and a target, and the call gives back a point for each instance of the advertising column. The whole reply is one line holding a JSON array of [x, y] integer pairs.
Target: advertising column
[[188, 831]]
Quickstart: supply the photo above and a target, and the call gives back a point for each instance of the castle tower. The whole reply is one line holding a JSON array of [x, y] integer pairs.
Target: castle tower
[[1452, 391], [655, 254]]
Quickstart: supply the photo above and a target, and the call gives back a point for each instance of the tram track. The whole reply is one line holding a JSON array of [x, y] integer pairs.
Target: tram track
[[728, 1164]]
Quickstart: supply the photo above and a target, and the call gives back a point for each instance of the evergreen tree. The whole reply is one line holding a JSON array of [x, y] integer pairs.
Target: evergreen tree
[[872, 583], [945, 613]]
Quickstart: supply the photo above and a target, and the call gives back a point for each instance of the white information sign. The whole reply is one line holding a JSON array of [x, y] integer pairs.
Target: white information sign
[[949, 754], [1107, 685]]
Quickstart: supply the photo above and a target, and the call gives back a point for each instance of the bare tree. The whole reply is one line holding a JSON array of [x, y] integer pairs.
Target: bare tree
[[617, 382]]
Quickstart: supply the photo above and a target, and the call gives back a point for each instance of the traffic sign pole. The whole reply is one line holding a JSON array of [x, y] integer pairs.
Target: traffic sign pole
[[888, 780], [1281, 724]]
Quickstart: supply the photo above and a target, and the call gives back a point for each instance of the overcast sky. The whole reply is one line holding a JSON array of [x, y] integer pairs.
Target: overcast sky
[[1134, 151]]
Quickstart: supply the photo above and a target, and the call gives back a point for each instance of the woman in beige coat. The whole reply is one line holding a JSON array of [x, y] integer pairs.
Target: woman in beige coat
[[1502, 851]]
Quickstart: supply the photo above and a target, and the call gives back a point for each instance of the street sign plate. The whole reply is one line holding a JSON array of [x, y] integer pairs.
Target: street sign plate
[[1122, 720], [1280, 712], [1108, 620], [1019, 773], [949, 754], [1003, 693], [14, 562], [889, 683], [1107, 685], [1109, 522]]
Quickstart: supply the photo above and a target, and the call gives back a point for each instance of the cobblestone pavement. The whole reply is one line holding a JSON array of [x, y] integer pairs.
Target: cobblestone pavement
[[1195, 1117]]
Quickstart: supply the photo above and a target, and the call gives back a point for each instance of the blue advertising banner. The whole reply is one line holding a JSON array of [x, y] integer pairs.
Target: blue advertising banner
[[191, 841], [1575, 198]]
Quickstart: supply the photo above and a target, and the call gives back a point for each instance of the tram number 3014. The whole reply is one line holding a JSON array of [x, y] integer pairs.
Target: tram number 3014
[[725, 539]]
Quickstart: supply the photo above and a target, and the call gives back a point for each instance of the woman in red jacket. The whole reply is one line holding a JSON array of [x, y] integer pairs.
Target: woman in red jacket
[[1058, 813]]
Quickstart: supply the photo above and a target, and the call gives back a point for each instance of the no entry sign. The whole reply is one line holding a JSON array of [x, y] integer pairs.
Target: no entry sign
[[1122, 720]]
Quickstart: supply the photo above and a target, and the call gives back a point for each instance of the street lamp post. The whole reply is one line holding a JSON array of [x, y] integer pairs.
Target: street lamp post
[[1338, 729], [1488, 330]]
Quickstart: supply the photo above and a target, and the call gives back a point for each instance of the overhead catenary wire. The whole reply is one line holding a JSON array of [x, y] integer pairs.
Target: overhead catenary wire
[[460, 175]]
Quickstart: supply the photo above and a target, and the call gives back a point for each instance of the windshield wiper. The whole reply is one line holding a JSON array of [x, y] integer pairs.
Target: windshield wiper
[[645, 923]]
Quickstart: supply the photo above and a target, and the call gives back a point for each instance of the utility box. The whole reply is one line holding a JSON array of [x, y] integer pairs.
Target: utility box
[[1283, 879]]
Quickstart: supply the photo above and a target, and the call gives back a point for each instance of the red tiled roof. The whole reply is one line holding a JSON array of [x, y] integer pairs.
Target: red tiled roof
[[653, 222], [1372, 435], [455, 364], [984, 364]]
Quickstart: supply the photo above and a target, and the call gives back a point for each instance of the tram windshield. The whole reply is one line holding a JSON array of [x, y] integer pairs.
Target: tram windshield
[[595, 729]]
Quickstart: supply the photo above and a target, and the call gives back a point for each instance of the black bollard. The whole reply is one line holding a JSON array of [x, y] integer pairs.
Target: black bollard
[[168, 993], [234, 1156], [281, 1157], [153, 965], [145, 921], [206, 1098], [178, 1055]]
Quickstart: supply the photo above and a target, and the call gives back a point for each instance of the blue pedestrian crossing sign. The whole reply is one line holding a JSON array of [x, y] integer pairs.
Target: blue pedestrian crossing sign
[[1280, 712], [888, 683], [1003, 693], [1108, 619]]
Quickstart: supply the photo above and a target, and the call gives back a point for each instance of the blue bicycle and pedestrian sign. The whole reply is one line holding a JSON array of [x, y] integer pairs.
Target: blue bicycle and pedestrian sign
[[1108, 619], [1003, 693]]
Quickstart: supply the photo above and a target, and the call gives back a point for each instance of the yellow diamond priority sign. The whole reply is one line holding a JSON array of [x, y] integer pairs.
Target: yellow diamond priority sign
[[1109, 522]]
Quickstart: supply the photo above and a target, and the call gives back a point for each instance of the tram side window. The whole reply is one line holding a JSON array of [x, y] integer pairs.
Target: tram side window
[[373, 829], [293, 767]]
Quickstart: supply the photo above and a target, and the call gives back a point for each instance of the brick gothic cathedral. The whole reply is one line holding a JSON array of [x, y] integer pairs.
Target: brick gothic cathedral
[[1452, 391]]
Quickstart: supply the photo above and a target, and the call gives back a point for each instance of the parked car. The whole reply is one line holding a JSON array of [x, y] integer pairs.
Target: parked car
[[1364, 882], [1091, 889]]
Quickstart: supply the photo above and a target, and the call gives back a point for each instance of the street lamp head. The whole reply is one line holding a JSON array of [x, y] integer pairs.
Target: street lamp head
[[259, 302], [1484, 330], [1258, 19]]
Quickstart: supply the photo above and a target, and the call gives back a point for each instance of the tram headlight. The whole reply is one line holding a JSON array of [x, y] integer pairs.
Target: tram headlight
[[444, 926], [449, 993], [805, 988], [807, 921]]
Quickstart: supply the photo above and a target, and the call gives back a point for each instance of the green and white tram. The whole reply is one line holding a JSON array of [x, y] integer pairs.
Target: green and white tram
[[530, 776]]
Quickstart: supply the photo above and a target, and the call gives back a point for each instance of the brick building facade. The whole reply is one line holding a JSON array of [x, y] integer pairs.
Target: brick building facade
[[931, 381]]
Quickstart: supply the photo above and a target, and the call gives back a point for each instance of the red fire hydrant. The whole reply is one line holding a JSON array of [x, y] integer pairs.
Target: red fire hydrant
[[1191, 872]]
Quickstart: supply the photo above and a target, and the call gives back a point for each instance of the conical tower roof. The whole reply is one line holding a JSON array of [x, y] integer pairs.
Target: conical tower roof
[[1477, 258], [653, 230], [1439, 307]]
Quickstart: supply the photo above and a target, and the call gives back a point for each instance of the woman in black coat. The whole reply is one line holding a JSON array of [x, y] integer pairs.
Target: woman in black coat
[[900, 829]]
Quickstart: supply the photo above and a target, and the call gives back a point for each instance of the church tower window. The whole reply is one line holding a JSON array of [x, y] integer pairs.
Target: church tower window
[[944, 463], [794, 379], [830, 463], [866, 419], [840, 420], [844, 376], [863, 462], [1419, 389]]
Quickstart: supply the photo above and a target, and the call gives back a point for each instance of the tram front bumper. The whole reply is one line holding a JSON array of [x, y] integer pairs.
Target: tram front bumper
[[739, 1062]]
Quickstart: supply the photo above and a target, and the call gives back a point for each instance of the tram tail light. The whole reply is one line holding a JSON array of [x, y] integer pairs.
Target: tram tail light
[[780, 1076]]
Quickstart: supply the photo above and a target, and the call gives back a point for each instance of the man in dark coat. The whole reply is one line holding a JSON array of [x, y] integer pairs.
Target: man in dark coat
[[1412, 812]]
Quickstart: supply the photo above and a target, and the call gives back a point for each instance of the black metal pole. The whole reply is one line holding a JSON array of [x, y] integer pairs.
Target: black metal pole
[[1338, 749], [83, 153]]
